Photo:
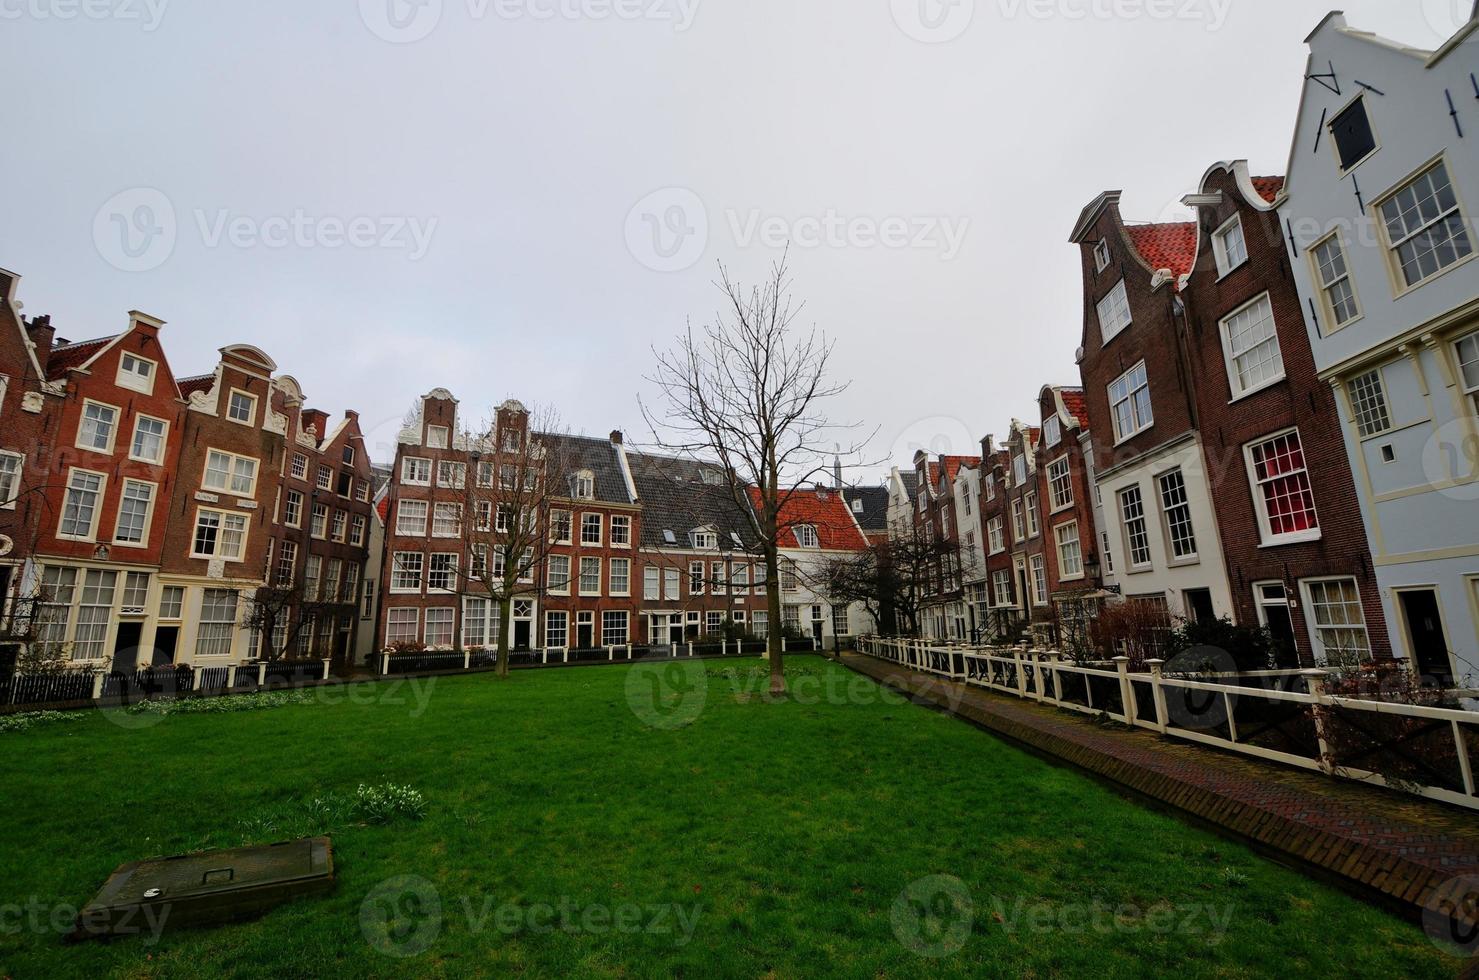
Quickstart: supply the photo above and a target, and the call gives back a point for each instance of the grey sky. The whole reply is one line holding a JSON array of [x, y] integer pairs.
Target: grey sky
[[512, 142]]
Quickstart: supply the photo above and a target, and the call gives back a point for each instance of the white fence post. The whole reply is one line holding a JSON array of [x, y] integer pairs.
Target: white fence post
[[723, 646], [326, 670], [690, 648], [1127, 689], [1159, 692], [611, 653], [262, 674], [97, 685], [385, 663], [231, 677], [466, 659], [1315, 680], [1465, 767]]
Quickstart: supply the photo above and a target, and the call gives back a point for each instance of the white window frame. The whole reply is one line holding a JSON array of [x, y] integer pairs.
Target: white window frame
[[590, 562], [1220, 250], [1141, 424], [1307, 592], [411, 466], [599, 524], [394, 631], [1061, 541], [221, 530], [231, 396], [143, 541], [1369, 404], [1052, 431], [163, 440], [423, 521], [10, 488], [625, 566], [1060, 470], [97, 504], [1266, 535], [1330, 324], [438, 436], [442, 526], [1125, 522], [623, 540], [996, 532], [1394, 260], [1113, 313], [1166, 527], [113, 425], [131, 379], [232, 459], [1230, 356], [806, 536], [1038, 572], [400, 565], [1102, 255], [446, 617], [557, 583]]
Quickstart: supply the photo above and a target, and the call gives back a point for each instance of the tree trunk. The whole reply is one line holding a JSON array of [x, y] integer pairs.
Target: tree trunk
[[505, 631], [776, 630]]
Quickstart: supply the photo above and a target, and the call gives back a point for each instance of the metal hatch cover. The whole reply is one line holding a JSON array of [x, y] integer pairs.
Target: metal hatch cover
[[208, 888]]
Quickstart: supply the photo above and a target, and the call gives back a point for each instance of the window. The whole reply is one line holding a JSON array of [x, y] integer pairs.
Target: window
[[410, 518], [1070, 552], [325, 478], [405, 572], [439, 627], [1060, 484], [621, 532], [452, 475], [367, 600], [590, 576], [319, 524], [436, 436], [80, 511], [1338, 620], [1001, 587], [740, 583], [1019, 529], [1108, 555], [446, 521], [485, 474], [1229, 247], [1019, 470], [287, 562], [621, 576], [672, 580], [718, 584], [148, 441], [1101, 255], [357, 530], [351, 583], [651, 583], [136, 373], [229, 473], [590, 528], [1468, 364], [1114, 313], [556, 629], [806, 536], [10, 479], [337, 527], [584, 485], [217, 623], [559, 526], [312, 577], [441, 574], [705, 541], [1338, 293], [1251, 345], [241, 407], [696, 580], [416, 471], [613, 629], [1039, 581], [1052, 431], [1351, 131], [1137, 537], [1129, 403], [344, 487], [300, 466], [135, 591], [760, 623], [1029, 504], [133, 512], [97, 427], [1176, 508], [171, 601], [1369, 402], [1424, 227], [1286, 503], [401, 626], [994, 532], [789, 580], [559, 574], [713, 622], [760, 579], [219, 534], [58, 590], [362, 491]]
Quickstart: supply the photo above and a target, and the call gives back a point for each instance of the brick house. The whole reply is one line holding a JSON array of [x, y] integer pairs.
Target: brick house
[[1024, 524], [818, 528], [697, 554], [115, 445], [320, 533], [1147, 452], [1287, 510], [995, 519], [937, 520], [27, 400], [1072, 545]]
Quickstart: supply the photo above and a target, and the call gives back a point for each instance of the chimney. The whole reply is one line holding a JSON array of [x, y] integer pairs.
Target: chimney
[[42, 334], [8, 282], [616, 437], [317, 419], [837, 471]]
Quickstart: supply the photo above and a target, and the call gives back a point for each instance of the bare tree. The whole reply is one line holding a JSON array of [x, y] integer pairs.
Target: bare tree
[[511, 510], [748, 392], [893, 580]]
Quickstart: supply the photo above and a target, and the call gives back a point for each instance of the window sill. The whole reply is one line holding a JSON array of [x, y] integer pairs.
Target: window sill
[[1221, 275], [1253, 391], [1301, 538], [1138, 432], [1185, 562]]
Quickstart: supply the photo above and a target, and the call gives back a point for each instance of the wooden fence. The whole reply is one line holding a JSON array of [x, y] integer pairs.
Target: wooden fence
[[1283, 716]]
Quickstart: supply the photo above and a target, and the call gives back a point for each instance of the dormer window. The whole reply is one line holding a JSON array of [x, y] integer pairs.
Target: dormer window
[[1101, 255], [1229, 246], [136, 373], [436, 437], [584, 485], [857, 506], [706, 540], [712, 477], [806, 536], [1352, 133], [1052, 430]]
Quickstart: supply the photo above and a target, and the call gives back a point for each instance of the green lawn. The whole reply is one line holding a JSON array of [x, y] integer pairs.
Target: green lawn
[[761, 839]]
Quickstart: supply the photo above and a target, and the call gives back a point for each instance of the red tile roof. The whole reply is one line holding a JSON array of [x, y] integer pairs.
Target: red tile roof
[[1169, 246], [65, 358], [1077, 405], [1268, 187], [954, 463], [836, 529], [203, 382]]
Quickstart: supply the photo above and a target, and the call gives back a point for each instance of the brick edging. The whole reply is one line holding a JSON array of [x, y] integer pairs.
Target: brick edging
[[1374, 870]]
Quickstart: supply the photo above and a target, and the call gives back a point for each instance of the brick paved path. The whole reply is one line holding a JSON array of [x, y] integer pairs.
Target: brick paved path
[[1410, 851]]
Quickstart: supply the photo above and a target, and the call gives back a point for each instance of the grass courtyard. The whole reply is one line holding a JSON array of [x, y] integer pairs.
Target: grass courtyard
[[573, 827]]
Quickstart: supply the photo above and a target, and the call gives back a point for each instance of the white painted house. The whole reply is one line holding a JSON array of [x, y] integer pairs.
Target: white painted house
[[1379, 210]]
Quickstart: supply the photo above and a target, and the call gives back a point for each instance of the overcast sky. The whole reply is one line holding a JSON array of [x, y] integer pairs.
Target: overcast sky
[[518, 198]]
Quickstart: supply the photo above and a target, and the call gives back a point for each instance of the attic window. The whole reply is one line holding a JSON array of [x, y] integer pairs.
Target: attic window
[[857, 506], [806, 536], [1052, 431], [1101, 255], [584, 485], [706, 540], [712, 477], [1351, 130], [668, 536], [734, 536]]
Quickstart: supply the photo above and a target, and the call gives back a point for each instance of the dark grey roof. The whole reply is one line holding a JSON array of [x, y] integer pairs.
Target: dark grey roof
[[676, 498], [874, 515], [576, 453], [911, 482]]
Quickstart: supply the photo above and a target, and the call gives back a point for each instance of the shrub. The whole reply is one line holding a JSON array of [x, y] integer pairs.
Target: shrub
[[382, 804], [1250, 647]]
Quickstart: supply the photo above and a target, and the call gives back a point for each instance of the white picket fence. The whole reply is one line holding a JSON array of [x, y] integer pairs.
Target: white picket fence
[[1197, 708]]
